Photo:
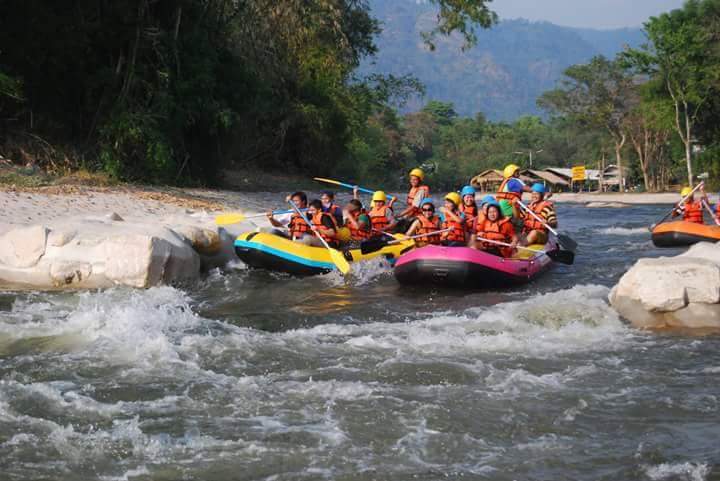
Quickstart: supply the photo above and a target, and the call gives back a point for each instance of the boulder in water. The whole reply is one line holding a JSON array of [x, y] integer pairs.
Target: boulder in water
[[680, 291]]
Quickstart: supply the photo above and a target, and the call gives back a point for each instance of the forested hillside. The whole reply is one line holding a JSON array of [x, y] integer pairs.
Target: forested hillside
[[503, 75]]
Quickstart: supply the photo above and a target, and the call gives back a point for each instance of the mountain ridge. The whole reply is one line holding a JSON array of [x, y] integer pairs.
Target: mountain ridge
[[512, 64]]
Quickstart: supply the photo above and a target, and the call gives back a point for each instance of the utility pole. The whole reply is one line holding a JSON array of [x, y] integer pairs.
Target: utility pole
[[530, 154]]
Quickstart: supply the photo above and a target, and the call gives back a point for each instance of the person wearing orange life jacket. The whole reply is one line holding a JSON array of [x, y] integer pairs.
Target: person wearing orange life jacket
[[533, 230], [357, 221], [381, 215], [325, 225], [511, 188], [468, 206], [497, 228], [425, 223], [329, 206], [413, 202], [452, 218], [297, 228], [691, 209]]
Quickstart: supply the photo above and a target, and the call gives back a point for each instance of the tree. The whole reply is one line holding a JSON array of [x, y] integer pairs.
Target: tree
[[677, 54], [649, 127], [599, 94]]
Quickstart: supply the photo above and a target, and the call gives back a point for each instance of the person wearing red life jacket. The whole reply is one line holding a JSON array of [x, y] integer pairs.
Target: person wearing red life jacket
[[413, 202], [425, 223], [494, 227], [691, 209], [452, 218], [328, 201], [381, 215], [533, 230]]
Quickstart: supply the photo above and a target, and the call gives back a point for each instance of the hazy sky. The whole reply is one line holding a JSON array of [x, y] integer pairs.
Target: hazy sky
[[585, 13]]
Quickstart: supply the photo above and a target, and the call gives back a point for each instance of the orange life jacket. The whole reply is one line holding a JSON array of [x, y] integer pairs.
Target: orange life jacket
[[531, 223], [298, 227], [470, 212], [355, 232], [427, 226], [317, 222], [693, 212], [511, 196], [457, 234], [378, 217], [411, 197], [501, 231]]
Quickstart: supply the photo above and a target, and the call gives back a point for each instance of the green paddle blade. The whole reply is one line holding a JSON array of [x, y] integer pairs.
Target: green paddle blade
[[372, 245], [227, 219], [339, 260]]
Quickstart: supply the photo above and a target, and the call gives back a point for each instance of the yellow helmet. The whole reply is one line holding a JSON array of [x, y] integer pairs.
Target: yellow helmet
[[343, 234], [417, 173], [685, 192], [454, 197], [510, 170], [379, 195]]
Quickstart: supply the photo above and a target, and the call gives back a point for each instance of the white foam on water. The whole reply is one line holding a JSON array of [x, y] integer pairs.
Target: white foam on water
[[624, 231], [678, 471]]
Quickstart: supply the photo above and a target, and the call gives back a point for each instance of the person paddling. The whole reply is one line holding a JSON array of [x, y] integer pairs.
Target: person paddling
[[297, 228], [357, 221], [425, 223], [418, 192], [381, 215], [452, 218], [494, 227], [691, 210], [512, 187], [533, 230]]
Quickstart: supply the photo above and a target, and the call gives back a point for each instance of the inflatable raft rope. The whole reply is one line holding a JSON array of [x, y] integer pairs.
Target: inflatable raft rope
[[681, 234], [275, 253]]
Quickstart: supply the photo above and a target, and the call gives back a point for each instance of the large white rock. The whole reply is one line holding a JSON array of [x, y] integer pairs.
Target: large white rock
[[107, 251], [681, 291]]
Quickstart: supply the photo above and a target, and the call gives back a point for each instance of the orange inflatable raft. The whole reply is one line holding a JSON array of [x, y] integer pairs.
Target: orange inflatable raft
[[681, 233]]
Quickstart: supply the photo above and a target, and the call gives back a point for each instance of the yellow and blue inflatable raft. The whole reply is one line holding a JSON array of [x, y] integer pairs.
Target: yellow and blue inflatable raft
[[275, 253]]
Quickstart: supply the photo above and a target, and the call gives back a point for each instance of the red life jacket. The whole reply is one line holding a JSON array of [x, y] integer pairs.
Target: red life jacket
[[355, 232], [411, 197], [427, 226], [298, 227], [457, 234], [317, 222], [693, 212], [501, 231], [378, 217], [531, 223], [511, 196]]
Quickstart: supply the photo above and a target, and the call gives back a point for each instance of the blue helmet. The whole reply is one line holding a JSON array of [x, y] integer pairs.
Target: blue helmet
[[427, 200], [539, 188], [494, 203], [467, 190], [488, 199]]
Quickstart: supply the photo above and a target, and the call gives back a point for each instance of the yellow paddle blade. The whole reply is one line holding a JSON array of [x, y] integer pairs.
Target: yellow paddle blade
[[339, 260], [327, 181], [227, 219]]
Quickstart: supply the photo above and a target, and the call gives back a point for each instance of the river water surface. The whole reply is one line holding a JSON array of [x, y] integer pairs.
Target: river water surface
[[250, 375]]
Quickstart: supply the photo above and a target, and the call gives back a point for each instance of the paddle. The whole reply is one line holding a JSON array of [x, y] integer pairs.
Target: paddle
[[709, 211], [374, 245], [565, 241], [652, 227], [348, 186], [336, 256], [557, 255], [237, 217]]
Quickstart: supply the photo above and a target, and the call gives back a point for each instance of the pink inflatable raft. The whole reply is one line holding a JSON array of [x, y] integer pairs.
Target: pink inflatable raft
[[465, 267]]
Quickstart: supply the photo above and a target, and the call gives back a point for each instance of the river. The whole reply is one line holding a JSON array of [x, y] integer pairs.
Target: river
[[255, 376]]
